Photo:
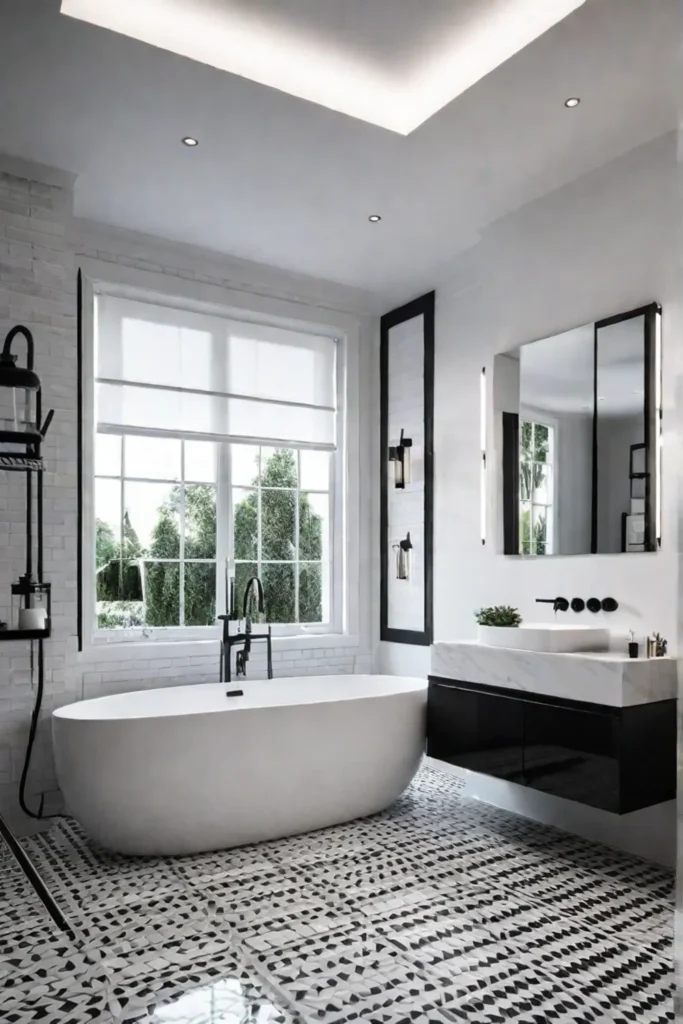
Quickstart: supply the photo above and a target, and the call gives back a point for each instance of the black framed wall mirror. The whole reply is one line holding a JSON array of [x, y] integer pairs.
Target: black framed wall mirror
[[581, 439]]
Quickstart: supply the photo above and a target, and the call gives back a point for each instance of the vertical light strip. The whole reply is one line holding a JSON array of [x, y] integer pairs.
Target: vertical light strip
[[482, 432], [658, 428]]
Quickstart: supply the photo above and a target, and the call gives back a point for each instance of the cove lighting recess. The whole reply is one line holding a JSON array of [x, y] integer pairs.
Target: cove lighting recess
[[248, 40]]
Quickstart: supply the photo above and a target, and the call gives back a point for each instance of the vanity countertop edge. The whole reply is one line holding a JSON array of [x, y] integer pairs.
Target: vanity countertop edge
[[607, 678]]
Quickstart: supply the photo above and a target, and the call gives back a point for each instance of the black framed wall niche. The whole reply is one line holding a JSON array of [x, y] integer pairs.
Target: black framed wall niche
[[407, 472]]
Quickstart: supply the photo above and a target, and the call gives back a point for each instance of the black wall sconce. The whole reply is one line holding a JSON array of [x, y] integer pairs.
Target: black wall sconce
[[20, 419], [400, 456], [402, 559]]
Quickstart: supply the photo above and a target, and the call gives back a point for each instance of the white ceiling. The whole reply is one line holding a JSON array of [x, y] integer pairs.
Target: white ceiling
[[392, 68], [289, 183]]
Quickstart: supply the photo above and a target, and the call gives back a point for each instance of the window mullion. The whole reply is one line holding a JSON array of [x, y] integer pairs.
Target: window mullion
[[122, 511], [259, 530], [181, 567], [225, 553], [297, 527]]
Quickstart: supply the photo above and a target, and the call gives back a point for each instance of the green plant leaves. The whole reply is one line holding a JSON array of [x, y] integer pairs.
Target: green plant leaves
[[498, 615]]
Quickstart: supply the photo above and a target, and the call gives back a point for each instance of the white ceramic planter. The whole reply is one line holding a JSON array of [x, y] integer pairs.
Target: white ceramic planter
[[498, 636]]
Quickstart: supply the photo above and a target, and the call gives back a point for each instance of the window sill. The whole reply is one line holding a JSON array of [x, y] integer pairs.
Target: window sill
[[131, 650]]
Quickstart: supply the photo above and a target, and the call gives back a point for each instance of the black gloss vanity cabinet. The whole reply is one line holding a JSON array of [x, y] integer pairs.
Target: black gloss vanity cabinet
[[619, 759]]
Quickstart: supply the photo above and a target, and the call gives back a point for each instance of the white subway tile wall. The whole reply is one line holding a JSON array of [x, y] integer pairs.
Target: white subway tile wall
[[38, 267]]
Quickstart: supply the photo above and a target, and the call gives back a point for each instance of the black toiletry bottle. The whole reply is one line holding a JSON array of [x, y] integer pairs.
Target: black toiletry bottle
[[633, 649]]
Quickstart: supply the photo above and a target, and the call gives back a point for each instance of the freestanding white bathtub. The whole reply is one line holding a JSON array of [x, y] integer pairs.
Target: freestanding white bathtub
[[185, 769]]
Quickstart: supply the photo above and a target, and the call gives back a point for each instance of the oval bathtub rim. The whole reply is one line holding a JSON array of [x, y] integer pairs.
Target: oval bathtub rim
[[65, 713]]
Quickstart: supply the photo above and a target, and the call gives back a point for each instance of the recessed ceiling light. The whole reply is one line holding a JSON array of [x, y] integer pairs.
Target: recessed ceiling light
[[374, 217], [189, 141], [573, 101], [249, 40]]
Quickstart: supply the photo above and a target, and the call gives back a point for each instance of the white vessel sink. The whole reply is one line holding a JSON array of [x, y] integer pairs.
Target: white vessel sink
[[548, 637]]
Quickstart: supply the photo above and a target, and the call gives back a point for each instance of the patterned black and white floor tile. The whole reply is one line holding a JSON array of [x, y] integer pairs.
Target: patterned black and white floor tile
[[440, 910], [21, 910]]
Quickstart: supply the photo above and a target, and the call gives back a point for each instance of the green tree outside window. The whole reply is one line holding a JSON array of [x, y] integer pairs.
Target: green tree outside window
[[533, 472], [124, 570]]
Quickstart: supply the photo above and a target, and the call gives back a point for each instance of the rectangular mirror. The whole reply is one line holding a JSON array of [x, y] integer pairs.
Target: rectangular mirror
[[581, 423]]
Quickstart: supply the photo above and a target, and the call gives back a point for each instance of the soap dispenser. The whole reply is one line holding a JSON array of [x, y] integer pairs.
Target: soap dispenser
[[633, 645]]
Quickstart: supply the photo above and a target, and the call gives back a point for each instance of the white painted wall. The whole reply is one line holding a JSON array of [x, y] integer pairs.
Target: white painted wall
[[573, 494], [602, 245]]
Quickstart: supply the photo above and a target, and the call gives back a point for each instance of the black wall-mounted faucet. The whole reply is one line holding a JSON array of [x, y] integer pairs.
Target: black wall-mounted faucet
[[608, 604], [593, 604], [560, 604]]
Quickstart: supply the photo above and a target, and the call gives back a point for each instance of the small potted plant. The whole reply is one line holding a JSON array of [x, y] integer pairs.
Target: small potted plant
[[496, 623]]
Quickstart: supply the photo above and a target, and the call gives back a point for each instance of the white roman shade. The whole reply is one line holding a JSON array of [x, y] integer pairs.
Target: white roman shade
[[175, 373]]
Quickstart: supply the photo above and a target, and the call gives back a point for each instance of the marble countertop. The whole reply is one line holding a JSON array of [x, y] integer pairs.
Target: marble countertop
[[609, 677]]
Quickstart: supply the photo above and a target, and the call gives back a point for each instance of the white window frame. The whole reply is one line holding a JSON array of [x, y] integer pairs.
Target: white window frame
[[339, 627]]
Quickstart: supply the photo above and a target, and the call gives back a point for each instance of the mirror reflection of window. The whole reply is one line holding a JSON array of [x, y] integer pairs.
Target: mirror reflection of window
[[556, 391], [536, 488]]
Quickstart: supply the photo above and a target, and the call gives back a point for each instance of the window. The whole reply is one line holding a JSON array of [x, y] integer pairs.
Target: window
[[536, 468], [155, 538], [281, 516], [215, 457]]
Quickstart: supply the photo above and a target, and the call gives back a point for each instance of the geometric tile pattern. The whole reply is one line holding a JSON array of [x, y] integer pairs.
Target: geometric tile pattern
[[440, 910]]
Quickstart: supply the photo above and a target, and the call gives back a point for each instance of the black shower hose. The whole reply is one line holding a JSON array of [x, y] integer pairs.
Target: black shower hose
[[35, 718]]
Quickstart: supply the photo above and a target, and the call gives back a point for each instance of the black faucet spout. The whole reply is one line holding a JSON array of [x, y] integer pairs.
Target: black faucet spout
[[253, 584], [560, 604]]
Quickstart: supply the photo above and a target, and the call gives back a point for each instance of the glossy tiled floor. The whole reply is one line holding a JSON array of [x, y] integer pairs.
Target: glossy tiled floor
[[439, 910]]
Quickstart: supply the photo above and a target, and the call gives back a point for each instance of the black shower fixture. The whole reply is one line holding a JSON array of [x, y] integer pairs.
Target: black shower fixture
[[400, 456], [402, 558]]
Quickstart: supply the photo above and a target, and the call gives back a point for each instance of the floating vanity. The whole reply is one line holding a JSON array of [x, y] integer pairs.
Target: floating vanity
[[596, 728]]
